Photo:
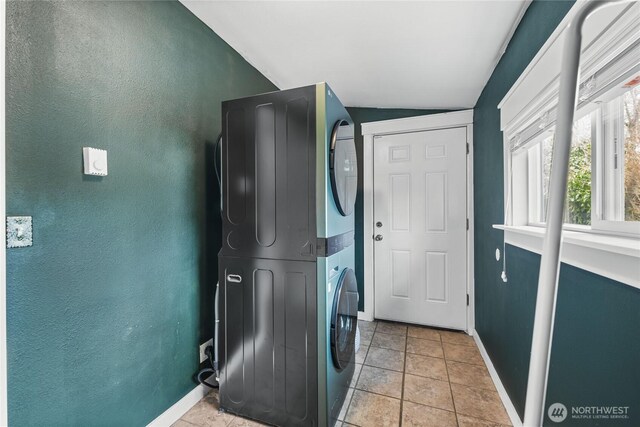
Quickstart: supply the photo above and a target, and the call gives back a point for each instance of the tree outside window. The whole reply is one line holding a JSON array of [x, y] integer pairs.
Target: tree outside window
[[631, 105]]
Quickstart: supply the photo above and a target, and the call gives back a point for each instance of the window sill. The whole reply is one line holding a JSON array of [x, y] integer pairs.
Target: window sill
[[617, 258]]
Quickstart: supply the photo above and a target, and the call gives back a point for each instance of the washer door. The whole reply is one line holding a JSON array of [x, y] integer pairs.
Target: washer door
[[344, 319], [343, 165]]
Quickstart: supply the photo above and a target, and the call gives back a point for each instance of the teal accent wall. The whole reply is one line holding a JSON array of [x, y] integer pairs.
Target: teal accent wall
[[364, 115], [594, 356], [594, 360], [107, 308]]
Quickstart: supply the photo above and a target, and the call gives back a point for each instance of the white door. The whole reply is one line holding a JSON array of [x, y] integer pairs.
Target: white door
[[420, 223]]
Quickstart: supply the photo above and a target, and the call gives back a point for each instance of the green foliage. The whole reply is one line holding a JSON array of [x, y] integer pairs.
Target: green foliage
[[579, 184], [632, 155], [632, 181]]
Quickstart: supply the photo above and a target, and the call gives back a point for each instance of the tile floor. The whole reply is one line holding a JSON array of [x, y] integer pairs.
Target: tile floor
[[405, 376]]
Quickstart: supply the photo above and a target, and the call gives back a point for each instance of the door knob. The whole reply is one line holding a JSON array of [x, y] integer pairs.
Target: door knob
[[378, 237]]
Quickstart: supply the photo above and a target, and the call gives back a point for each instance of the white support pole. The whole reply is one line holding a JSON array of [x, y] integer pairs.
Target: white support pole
[[549, 266]]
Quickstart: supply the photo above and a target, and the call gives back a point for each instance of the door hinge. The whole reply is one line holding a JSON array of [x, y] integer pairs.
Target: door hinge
[[467, 223], [467, 299], [467, 148]]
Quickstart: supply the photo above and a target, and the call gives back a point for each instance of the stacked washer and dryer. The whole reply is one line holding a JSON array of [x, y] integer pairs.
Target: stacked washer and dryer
[[288, 294]]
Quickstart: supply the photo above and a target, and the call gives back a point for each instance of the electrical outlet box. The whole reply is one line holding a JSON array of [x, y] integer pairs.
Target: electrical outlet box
[[19, 231], [203, 355], [95, 161]]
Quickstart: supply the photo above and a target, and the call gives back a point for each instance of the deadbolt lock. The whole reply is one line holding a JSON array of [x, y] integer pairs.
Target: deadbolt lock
[[378, 224]]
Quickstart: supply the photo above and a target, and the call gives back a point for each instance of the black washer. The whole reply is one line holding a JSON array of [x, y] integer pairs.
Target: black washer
[[344, 320], [343, 165]]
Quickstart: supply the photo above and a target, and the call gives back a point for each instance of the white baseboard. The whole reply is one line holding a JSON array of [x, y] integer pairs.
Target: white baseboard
[[173, 414], [363, 315], [506, 401]]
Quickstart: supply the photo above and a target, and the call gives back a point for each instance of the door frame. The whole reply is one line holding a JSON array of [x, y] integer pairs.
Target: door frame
[[372, 130]]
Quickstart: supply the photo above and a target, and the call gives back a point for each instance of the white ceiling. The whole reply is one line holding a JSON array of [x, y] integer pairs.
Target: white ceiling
[[425, 54]]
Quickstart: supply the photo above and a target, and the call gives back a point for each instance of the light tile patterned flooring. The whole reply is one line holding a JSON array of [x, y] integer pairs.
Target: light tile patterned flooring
[[405, 376]]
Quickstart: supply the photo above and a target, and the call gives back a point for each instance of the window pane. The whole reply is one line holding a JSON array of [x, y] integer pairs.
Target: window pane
[[631, 101], [547, 151], [579, 180], [578, 202]]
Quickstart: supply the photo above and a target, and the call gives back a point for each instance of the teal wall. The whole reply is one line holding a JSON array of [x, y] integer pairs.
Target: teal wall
[[106, 310], [364, 115], [595, 350]]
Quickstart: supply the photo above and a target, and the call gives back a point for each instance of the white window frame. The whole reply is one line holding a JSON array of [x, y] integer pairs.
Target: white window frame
[[607, 145], [608, 248], [611, 181]]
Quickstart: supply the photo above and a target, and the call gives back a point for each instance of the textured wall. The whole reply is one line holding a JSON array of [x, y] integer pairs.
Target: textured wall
[[106, 310], [592, 361], [359, 116]]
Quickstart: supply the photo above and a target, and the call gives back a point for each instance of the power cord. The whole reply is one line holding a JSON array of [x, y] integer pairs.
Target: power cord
[[507, 220], [217, 148], [212, 370]]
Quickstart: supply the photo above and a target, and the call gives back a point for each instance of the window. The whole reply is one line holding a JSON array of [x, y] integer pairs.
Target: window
[[599, 192], [578, 201], [602, 206], [631, 159]]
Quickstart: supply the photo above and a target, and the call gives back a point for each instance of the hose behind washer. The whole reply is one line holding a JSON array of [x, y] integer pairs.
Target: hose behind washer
[[212, 358], [213, 361]]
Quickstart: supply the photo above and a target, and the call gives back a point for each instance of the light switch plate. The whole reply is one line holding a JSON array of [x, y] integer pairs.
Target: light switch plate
[[95, 161], [19, 231]]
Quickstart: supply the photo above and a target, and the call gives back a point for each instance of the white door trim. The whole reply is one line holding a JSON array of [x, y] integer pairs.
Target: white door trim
[[412, 124], [3, 255]]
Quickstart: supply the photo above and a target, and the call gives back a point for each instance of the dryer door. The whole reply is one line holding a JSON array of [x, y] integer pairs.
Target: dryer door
[[344, 320], [343, 165]]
